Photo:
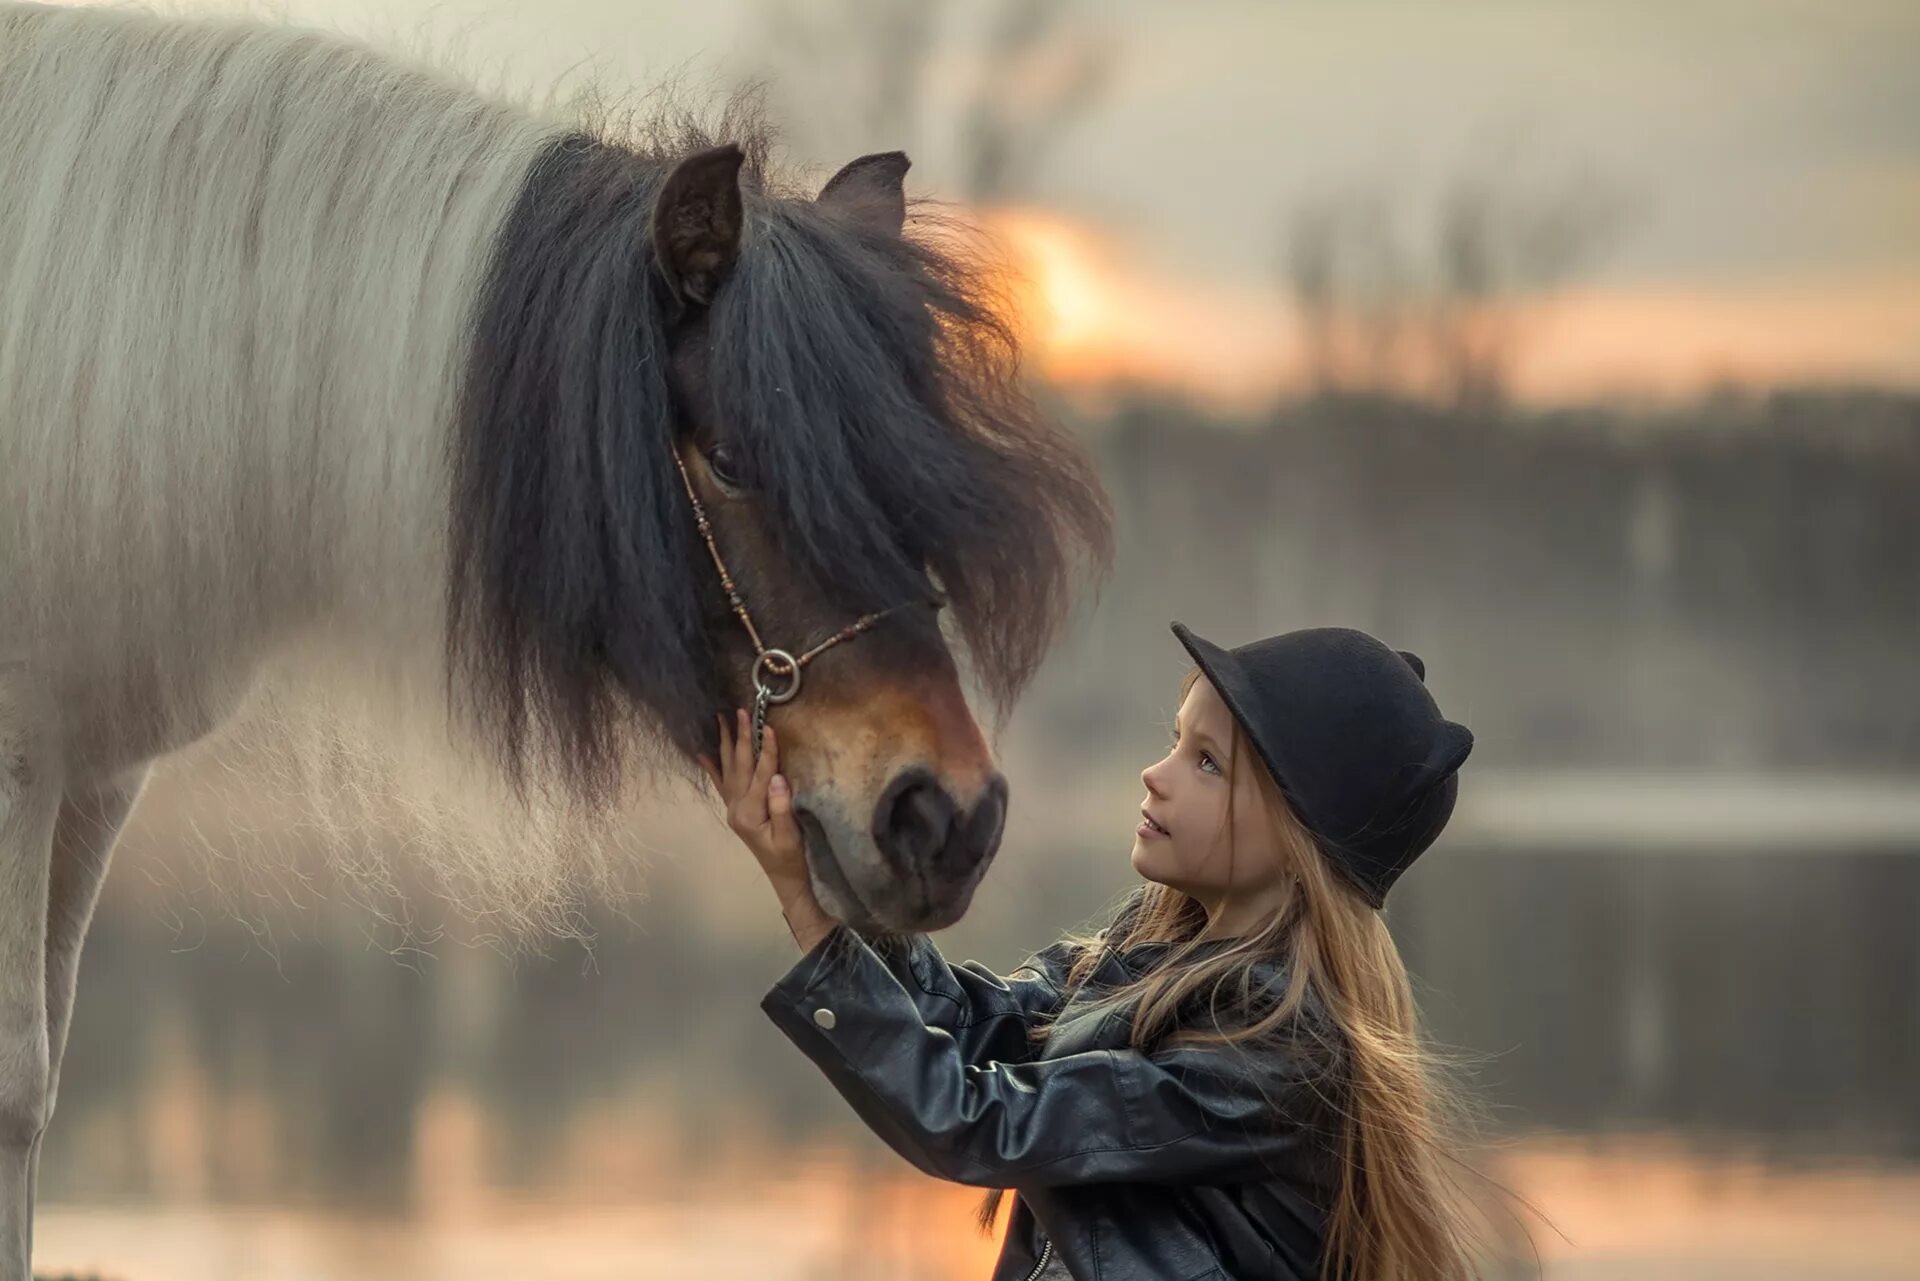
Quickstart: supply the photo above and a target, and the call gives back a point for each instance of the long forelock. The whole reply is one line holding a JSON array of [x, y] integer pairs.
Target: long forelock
[[570, 633]]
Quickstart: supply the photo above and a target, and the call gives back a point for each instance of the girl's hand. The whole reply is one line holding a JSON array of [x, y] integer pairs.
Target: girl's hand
[[760, 811]]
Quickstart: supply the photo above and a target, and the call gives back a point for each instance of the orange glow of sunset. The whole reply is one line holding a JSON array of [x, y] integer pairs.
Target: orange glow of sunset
[[1671, 341], [1097, 319], [1092, 318]]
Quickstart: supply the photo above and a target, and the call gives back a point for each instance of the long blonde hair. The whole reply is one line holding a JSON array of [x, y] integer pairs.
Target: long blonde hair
[[1400, 1213]]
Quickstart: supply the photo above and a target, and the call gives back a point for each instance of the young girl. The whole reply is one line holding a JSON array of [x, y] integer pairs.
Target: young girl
[[1226, 1082]]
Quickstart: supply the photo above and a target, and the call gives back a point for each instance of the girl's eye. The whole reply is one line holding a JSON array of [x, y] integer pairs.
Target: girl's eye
[[1206, 758]]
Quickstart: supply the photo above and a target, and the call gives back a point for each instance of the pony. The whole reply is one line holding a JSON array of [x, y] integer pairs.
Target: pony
[[335, 386]]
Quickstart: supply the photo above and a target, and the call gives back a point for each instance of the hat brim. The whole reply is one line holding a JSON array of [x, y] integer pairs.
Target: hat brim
[[1235, 687]]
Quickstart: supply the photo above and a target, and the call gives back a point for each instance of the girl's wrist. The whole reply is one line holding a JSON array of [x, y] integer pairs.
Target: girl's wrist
[[806, 921], [795, 897]]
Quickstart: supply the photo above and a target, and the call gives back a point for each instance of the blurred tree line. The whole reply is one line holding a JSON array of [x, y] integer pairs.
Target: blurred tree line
[[1730, 584]]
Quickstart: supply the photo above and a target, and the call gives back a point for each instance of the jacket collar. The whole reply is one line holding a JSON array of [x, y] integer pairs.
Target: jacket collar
[[1143, 956], [1078, 1030]]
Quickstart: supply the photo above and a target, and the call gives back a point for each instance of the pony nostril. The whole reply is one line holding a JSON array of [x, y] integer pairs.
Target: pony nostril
[[976, 835], [914, 819], [979, 837]]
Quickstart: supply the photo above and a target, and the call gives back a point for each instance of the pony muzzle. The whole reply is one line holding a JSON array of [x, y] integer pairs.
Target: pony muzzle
[[917, 861]]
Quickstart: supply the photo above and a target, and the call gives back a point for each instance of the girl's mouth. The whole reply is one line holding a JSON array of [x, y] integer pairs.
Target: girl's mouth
[[1148, 827]]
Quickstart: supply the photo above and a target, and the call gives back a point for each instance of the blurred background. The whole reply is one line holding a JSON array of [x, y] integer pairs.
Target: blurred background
[[1573, 347]]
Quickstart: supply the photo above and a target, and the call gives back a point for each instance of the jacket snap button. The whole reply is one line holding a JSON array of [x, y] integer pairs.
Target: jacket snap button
[[824, 1017]]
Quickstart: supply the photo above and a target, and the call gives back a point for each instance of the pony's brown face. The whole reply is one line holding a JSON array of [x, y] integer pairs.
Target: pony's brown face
[[895, 786]]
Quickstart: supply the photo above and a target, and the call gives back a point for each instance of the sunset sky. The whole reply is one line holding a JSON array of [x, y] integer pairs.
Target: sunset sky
[[1764, 155]]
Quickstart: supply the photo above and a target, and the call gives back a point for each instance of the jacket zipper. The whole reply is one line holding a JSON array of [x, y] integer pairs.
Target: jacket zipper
[[1046, 1252]]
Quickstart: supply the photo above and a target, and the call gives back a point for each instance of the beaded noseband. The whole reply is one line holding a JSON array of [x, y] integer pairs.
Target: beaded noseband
[[770, 666]]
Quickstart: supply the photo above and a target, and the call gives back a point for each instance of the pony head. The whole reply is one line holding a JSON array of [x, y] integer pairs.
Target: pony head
[[843, 396]]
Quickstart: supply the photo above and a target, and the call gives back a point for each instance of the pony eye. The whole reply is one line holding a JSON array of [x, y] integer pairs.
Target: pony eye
[[724, 463]]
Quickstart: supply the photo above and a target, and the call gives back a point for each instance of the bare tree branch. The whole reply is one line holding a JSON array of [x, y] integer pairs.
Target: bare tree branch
[[1440, 313], [1041, 65]]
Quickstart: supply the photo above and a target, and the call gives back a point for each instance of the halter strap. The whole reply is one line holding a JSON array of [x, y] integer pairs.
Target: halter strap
[[769, 664]]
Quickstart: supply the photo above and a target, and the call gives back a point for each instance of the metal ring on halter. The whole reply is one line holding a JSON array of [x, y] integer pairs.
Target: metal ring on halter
[[777, 657]]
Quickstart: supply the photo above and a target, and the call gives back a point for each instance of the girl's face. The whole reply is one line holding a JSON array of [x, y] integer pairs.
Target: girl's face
[[1192, 849]]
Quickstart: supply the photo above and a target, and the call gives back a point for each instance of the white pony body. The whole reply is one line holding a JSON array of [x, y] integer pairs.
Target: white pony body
[[183, 492]]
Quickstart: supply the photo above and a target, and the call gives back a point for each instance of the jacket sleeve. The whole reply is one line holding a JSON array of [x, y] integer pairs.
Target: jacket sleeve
[[986, 1014], [1108, 1115]]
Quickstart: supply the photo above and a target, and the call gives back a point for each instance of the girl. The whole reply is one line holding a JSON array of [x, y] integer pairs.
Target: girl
[[1226, 1082]]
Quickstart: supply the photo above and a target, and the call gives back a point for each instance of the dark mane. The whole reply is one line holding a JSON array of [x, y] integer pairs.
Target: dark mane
[[572, 631]]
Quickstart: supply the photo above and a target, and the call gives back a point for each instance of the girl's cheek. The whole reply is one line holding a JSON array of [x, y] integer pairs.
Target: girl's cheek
[[1205, 862]]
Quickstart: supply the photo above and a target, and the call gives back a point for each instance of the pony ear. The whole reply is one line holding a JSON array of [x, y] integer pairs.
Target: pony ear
[[869, 190], [696, 223], [1413, 661]]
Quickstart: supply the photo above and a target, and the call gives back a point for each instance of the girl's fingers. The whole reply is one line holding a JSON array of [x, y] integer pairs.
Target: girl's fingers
[[785, 832], [758, 809], [763, 770], [756, 776], [741, 780]]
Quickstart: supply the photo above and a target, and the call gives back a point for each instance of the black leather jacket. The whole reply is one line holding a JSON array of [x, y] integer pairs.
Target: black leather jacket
[[1180, 1165]]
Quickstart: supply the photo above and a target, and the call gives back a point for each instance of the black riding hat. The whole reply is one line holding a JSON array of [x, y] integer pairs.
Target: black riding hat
[[1353, 738]]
